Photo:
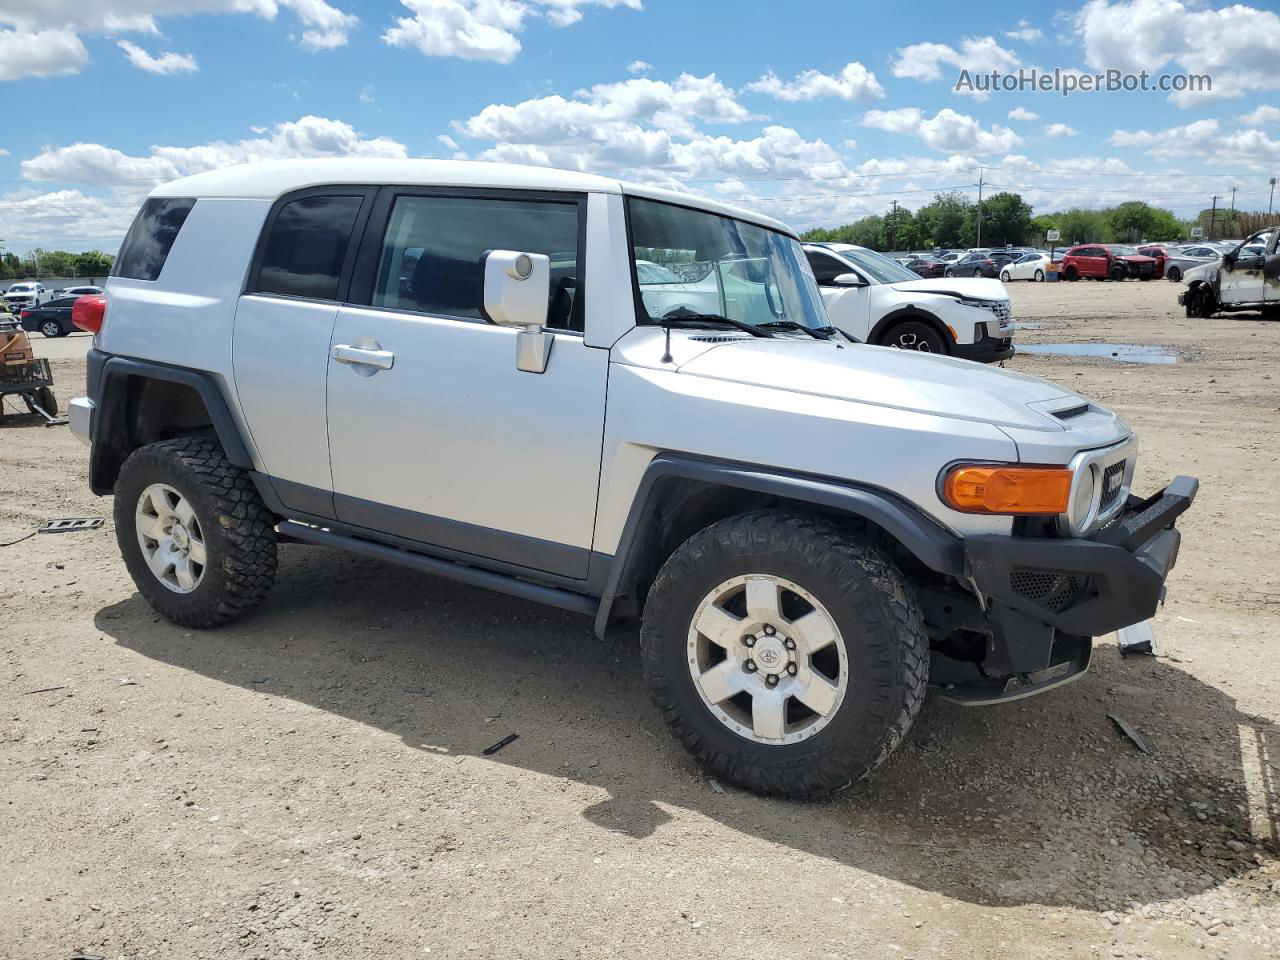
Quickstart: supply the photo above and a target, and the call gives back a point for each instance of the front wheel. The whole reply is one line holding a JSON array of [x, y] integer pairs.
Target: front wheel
[[196, 537], [1072, 274], [1115, 274], [787, 655], [915, 335]]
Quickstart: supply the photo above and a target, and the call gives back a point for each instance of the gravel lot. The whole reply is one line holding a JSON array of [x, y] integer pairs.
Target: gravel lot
[[309, 782]]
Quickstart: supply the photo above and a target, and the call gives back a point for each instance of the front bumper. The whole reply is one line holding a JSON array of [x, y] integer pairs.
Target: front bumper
[[987, 349]]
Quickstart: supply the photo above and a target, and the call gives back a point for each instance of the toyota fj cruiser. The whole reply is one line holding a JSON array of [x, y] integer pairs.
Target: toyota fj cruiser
[[491, 373]]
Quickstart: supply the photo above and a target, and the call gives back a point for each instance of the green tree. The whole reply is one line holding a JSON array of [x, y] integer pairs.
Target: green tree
[[1081, 226], [92, 263], [941, 223], [1135, 221], [1006, 218]]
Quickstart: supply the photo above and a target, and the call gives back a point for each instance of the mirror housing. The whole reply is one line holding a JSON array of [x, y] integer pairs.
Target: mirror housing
[[848, 280], [517, 288]]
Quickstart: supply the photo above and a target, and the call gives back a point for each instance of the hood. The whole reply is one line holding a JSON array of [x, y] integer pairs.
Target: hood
[[979, 288], [1206, 271], [1137, 258], [881, 376]]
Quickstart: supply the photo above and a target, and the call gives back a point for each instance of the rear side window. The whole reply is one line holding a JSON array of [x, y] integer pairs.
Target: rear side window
[[147, 245], [431, 257], [307, 247]]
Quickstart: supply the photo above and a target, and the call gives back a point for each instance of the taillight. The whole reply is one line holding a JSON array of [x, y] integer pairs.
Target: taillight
[[87, 313], [22, 315]]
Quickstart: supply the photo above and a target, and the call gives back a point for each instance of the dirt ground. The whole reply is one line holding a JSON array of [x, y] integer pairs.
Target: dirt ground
[[310, 782]]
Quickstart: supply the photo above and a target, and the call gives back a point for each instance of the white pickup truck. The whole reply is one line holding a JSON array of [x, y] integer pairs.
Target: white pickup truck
[[880, 301], [486, 372]]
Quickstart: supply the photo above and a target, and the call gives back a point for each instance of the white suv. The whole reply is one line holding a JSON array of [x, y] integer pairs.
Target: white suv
[[880, 301], [475, 370], [25, 295]]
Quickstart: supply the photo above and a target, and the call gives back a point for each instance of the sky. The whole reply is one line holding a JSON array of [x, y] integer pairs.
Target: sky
[[816, 113]]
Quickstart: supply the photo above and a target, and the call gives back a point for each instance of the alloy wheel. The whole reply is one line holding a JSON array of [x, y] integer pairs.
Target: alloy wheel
[[767, 659], [169, 534]]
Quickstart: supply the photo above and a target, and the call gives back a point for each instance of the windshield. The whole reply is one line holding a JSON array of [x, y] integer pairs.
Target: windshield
[[1124, 251], [697, 262], [21, 288], [881, 269]]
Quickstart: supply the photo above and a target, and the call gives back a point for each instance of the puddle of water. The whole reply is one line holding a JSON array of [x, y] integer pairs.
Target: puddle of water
[[1120, 352], [1023, 325]]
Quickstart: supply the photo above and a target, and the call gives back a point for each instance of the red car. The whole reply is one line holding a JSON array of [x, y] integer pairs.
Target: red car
[[1159, 252], [1107, 261]]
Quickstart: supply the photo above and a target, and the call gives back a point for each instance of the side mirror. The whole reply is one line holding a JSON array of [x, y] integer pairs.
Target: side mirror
[[848, 280], [516, 291]]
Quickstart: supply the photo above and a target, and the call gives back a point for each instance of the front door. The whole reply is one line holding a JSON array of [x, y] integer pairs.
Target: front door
[[848, 308], [1240, 280], [435, 436], [1271, 272]]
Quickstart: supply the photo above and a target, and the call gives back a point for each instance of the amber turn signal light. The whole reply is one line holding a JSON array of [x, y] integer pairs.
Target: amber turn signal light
[[1008, 490]]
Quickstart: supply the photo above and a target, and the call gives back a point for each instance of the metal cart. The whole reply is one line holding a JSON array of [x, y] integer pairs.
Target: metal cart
[[26, 376]]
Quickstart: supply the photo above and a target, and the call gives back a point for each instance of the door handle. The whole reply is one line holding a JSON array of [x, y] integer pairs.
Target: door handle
[[361, 356]]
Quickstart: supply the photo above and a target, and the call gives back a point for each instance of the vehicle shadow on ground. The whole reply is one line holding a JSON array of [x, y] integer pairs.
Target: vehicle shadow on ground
[[1041, 801]]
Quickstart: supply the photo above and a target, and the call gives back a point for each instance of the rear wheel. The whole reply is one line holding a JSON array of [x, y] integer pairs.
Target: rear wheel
[[1174, 274], [1004, 275], [196, 537], [786, 654], [914, 335], [51, 328], [1039, 276]]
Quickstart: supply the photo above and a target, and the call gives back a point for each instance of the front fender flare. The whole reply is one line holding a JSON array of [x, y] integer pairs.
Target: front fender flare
[[927, 540]]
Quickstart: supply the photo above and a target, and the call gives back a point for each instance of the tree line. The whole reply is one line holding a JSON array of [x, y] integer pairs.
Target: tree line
[[55, 263], [951, 221]]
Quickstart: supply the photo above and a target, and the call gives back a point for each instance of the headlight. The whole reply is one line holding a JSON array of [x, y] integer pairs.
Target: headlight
[[1084, 500]]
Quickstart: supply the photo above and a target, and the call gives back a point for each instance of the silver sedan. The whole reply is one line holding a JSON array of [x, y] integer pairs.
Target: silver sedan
[[1183, 259]]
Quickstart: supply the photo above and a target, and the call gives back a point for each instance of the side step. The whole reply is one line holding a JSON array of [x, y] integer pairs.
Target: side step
[[564, 599]]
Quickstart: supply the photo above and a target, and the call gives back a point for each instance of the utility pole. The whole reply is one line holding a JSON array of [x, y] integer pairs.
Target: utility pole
[[1233, 209], [1272, 198], [1213, 217], [978, 242], [893, 228]]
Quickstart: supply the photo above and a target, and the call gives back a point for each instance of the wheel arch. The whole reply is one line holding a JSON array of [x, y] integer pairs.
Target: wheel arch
[[910, 312], [138, 402], [680, 495]]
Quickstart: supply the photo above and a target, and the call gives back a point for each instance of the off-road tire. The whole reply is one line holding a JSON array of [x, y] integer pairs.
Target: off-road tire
[[877, 614], [239, 531]]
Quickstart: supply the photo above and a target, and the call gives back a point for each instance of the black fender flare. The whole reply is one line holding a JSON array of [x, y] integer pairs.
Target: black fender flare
[[911, 312], [932, 544], [106, 377]]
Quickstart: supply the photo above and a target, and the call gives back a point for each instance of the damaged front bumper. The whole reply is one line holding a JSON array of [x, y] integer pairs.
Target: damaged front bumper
[[1045, 599]]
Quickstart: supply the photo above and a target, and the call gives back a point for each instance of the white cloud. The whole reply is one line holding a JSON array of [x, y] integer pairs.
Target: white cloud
[[1025, 32], [946, 130], [65, 219], [40, 53], [1262, 116], [481, 29], [164, 64], [924, 61], [366, 94], [309, 136], [853, 82], [1235, 45], [1055, 130], [636, 67], [1204, 139], [1019, 113], [61, 21]]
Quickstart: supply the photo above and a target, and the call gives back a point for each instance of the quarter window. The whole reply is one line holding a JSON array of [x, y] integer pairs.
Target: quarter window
[[433, 250], [307, 247], [146, 247]]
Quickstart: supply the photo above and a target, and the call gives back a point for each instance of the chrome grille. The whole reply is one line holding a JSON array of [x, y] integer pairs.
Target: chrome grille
[[1112, 484]]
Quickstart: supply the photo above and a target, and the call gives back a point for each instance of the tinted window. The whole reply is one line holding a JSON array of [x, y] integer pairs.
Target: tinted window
[[825, 268], [432, 251], [307, 246], [147, 245]]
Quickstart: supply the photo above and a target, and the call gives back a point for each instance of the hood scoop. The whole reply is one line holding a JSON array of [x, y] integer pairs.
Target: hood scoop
[[719, 338], [1070, 413]]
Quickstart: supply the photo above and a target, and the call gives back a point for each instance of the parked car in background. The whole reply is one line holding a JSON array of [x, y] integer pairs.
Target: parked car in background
[[926, 266], [1029, 266], [1246, 278], [1182, 259], [77, 292], [1106, 261], [52, 318], [25, 294], [978, 265], [1158, 252], [951, 256], [881, 302]]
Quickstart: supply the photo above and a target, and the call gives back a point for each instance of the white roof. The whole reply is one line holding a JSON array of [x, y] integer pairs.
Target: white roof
[[269, 179]]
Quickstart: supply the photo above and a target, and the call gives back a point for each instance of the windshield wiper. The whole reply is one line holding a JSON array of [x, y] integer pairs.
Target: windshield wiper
[[792, 325], [834, 330], [703, 319]]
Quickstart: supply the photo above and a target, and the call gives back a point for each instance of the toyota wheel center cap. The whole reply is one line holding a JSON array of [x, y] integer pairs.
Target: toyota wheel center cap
[[770, 654]]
